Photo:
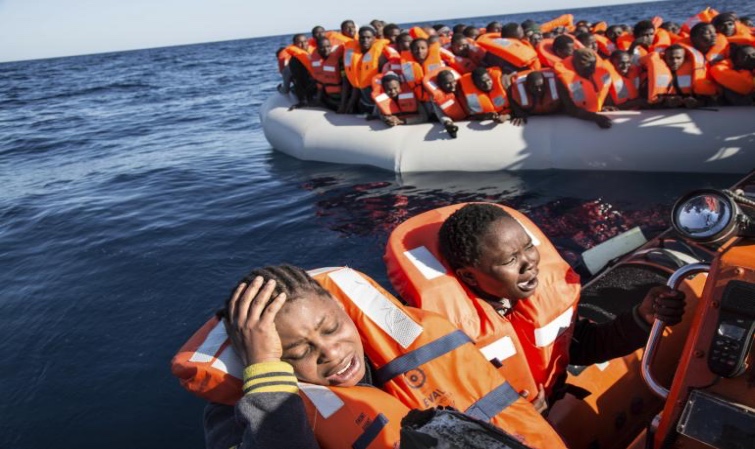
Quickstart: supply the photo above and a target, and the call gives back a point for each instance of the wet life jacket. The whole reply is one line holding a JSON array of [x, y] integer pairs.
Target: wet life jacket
[[549, 102], [447, 102], [327, 72], [530, 345], [479, 102], [586, 94], [739, 81], [419, 358], [300, 54], [406, 104], [361, 67], [661, 40], [661, 79], [519, 55]]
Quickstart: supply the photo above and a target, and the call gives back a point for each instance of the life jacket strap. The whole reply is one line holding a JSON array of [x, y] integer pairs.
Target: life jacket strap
[[371, 432], [418, 357], [493, 403]]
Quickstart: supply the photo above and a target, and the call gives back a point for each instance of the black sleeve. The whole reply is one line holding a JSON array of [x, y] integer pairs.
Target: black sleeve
[[596, 343], [259, 421]]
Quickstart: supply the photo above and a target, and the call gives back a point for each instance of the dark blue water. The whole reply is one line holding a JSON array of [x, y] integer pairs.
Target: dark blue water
[[136, 188]]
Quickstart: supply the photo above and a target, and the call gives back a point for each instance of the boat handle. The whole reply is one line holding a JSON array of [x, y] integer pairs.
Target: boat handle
[[657, 331]]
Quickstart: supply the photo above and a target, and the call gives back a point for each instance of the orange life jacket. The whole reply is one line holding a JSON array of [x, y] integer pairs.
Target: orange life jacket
[[464, 64], [327, 72], [540, 326], [300, 54], [360, 67], [739, 81], [338, 38], [479, 102], [564, 20], [703, 84], [706, 15], [660, 78], [550, 101], [515, 52], [598, 27], [548, 58], [741, 39], [583, 92], [417, 32], [445, 101], [412, 72], [625, 88], [605, 45], [283, 58], [661, 41], [420, 359], [406, 104]]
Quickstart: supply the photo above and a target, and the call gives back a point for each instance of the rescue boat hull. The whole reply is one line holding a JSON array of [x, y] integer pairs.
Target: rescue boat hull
[[691, 141]]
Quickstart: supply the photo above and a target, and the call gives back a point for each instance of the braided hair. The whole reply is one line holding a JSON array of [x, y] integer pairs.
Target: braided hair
[[291, 280], [459, 236]]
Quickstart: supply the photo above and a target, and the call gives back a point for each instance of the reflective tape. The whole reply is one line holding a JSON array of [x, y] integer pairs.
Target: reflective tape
[[547, 334], [325, 401], [384, 313], [500, 350], [423, 260], [206, 352]]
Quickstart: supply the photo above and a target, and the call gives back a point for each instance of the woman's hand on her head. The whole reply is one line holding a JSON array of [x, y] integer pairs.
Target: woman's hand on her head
[[250, 323]]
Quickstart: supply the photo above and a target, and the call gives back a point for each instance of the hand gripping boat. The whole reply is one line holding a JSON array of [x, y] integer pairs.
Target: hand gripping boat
[[693, 386], [677, 140]]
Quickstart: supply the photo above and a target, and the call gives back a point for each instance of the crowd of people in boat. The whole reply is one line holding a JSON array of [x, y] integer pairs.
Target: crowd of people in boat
[[508, 72], [492, 336]]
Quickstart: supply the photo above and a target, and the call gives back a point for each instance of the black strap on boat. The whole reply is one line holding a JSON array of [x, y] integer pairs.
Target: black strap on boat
[[420, 356], [493, 403], [371, 432]]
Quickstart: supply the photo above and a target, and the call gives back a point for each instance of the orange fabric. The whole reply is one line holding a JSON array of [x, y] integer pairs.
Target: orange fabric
[[338, 38], [625, 88], [565, 20], [582, 91], [605, 46], [739, 81], [327, 72], [703, 84], [657, 21], [412, 72], [706, 15], [300, 54], [742, 39], [661, 40], [418, 33], [442, 292], [430, 384], [283, 58], [513, 51], [660, 78], [464, 64], [599, 27], [550, 101], [406, 104], [445, 101], [361, 68], [718, 52], [545, 52], [479, 102]]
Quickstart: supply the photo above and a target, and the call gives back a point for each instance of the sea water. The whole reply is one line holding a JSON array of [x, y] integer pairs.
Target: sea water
[[136, 188]]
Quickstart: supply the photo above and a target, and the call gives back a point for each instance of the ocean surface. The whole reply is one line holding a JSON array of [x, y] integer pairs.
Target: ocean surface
[[136, 188]]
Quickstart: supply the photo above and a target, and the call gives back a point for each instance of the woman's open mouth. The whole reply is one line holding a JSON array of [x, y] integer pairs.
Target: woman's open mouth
[[346, 371]]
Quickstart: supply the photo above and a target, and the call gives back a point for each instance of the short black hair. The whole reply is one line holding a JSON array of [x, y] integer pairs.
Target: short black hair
[[459, 28], [390, 27], [583, 38], [510, 30], [459, 236], [698, 28], [562, 41], [642, 26]]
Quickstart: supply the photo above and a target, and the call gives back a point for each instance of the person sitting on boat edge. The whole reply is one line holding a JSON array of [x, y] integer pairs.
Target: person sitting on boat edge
[[492, 253], [298, 72], [311, 351], [395, 103], [584, 86], [484, 94], [327, 71], [362, 60]]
